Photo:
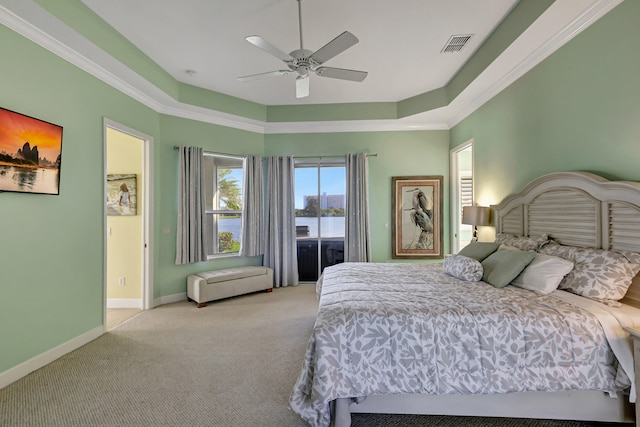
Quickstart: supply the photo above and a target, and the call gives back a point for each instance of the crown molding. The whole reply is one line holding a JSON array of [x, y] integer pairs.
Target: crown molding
[[352, 126], [31, 21]]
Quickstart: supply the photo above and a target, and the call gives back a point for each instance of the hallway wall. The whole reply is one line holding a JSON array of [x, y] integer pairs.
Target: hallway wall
[[125, 233]]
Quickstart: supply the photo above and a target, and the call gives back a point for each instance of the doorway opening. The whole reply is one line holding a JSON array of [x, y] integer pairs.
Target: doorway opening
[[128, 284], [461, 159], [320, 188]]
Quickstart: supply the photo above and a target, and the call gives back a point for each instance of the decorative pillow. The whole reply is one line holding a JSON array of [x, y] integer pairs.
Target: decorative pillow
[[521, 242], [479, 250], [504, 247], [502, 267], [597, 274], [544, 274], [463, 268]]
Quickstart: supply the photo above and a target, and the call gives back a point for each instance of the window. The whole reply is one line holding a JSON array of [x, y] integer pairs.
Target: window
[[320, 189], [223, 205], [466, 199], [466, 191]]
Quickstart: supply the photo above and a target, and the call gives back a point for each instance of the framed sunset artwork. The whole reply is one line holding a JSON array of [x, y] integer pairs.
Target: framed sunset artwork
[[30, 154]]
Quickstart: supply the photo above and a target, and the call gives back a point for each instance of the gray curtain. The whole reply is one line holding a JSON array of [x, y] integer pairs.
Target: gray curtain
[[252, 232], [357, 245], [190, 228], [280, 252]]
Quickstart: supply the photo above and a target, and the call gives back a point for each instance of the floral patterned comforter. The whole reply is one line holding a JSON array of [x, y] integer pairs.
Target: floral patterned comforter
[[411, 328]]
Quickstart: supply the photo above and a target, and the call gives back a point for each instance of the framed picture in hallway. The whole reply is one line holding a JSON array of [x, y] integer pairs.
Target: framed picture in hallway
[[417, 217], [122, 194]]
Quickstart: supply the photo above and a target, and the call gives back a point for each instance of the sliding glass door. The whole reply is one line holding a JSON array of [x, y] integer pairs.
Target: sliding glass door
[[320, 202]]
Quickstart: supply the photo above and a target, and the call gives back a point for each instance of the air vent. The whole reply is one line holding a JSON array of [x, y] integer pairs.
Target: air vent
[[456, 43]]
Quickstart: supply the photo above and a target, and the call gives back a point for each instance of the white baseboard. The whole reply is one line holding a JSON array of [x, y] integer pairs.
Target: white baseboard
[[168, 299], [22, 370], [124, 303]]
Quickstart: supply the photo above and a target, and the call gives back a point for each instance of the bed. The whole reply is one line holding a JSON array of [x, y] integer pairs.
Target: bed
[[414, 338]]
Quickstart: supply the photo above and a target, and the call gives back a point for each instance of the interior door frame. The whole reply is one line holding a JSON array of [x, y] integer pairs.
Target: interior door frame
[[147, 213], [454, 191]]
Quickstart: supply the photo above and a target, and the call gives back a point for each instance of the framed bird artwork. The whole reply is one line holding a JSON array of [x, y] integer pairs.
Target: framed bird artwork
[[417, 217]]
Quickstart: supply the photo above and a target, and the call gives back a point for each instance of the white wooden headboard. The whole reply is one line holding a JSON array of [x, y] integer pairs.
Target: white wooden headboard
[[577, 209]]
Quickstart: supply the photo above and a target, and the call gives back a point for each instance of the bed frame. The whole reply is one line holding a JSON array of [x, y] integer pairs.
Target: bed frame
[[575, 208]]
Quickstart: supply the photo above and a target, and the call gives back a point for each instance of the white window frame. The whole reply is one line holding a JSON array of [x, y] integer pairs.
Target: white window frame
[[212, 162], [319, 163]]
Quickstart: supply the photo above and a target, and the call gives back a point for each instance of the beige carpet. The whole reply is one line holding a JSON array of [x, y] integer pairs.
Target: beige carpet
[[232, 363], [116, 316]]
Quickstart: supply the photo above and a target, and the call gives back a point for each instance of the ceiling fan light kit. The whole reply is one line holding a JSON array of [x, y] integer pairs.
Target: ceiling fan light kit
[[302, 86], [302, 61]]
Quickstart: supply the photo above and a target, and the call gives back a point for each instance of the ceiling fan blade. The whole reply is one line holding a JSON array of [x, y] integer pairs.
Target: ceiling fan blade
[[269, 48], [341, 73], [302, 86], [336, 46], [262, 75]]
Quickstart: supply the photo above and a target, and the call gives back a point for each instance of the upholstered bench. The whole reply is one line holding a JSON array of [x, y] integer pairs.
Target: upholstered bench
[[229, 282]]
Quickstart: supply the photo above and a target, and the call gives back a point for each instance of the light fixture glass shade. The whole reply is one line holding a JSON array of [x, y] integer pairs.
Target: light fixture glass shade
[[302, 86], [476, 215]]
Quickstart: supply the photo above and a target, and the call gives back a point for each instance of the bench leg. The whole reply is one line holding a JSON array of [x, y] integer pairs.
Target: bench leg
[[202, 304], [269, 290]]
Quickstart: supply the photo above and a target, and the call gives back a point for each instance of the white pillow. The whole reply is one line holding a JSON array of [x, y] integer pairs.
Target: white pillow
[[544, 274]]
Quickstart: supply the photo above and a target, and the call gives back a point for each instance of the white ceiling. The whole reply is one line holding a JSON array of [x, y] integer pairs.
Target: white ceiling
[[400, 42]]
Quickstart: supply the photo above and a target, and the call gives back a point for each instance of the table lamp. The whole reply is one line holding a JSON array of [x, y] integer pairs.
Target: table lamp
[[476, 215]]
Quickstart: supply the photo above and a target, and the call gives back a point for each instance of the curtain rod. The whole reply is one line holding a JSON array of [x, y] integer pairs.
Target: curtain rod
[[329, 157], [175, 147]]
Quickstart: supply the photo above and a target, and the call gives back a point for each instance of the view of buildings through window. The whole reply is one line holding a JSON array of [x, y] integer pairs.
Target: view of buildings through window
[[320, 208], [320, 199]]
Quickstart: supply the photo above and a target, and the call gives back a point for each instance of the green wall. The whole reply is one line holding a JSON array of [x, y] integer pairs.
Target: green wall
[[399, 154], [51, 256], [577, 110], [52, 251]]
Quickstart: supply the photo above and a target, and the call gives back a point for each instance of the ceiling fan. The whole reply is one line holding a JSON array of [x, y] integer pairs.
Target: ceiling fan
[[303, 61]]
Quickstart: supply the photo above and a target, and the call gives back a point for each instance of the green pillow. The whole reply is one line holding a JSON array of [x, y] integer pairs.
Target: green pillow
[[479, 250], [501, 267]]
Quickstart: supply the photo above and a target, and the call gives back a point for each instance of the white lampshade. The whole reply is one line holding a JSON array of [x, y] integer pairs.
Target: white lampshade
[[476, 215]]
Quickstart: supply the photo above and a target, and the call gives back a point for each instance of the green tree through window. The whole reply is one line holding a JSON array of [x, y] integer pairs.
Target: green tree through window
[[230, 190], [223, 187]]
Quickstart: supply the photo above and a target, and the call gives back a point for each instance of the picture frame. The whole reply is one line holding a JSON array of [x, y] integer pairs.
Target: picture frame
[[30, 154], [417, 217], [122, 194]]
